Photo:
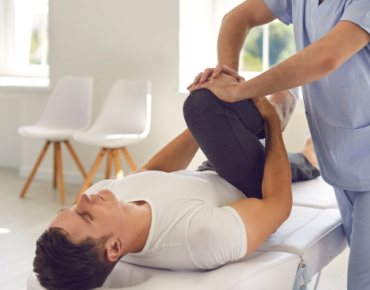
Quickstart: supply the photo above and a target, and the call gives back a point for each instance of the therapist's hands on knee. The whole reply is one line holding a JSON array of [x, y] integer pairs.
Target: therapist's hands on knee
[[224, 87], [202, 77]]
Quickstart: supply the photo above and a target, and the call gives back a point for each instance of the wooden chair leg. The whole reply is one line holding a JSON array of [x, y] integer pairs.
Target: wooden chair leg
[[117, 163], [29, 180], [75, 158], [60, 173], [129, 159], [109, 164], [55, 167], [91, 174]]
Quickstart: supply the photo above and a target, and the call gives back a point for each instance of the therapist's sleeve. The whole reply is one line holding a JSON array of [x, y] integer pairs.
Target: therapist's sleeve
[[282, 10], [296, 93], [358, 12]]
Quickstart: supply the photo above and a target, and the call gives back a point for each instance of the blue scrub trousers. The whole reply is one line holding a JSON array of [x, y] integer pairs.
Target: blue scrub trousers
[[355, 211]]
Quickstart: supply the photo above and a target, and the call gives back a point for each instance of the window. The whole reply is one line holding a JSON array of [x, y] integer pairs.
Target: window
[[24, 39], [200, 21], [265, 47]]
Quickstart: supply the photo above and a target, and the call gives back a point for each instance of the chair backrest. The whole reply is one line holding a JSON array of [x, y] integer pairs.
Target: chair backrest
[[126, 110], [69, 106]]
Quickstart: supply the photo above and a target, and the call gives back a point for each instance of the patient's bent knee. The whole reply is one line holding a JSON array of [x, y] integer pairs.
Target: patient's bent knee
[[198, 104]]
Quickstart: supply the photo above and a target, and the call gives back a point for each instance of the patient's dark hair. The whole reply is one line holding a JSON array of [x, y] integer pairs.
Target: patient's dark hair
[[61, 265]]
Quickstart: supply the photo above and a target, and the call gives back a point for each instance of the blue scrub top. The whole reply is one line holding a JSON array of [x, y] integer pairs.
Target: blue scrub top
[[338, 105]]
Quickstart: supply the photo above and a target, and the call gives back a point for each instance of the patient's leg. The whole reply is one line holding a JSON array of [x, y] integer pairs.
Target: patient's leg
[[304, 164], [309, 152], [228, 134]]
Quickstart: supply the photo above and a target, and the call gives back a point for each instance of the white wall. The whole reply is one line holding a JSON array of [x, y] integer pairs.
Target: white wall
[[9, 138], [109, 39]]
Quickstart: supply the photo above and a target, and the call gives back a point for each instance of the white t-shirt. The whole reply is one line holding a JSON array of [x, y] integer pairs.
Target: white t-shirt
[[192, 227]]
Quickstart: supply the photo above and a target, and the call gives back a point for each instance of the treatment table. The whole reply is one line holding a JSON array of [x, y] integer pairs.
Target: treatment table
[[307, 242], [314, 193]]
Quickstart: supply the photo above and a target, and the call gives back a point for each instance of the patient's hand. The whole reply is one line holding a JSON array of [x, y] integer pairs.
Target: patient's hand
[[266, 109]]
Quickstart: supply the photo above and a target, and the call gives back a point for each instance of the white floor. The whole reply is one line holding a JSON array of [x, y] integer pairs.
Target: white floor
[[27, 218]]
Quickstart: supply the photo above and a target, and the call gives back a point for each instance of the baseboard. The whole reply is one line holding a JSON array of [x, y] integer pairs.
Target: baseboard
[[70, 177]]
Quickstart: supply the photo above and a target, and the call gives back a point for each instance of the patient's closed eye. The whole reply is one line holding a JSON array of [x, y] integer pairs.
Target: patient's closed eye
[[87, 214]]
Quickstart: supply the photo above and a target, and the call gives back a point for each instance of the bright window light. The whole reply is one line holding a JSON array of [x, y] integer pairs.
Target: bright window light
[[31, 32], [24, 38], [198, 38], [24, 82], [4, 231]]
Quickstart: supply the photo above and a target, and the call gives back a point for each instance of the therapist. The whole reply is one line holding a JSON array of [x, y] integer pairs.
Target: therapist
[[332, 64]]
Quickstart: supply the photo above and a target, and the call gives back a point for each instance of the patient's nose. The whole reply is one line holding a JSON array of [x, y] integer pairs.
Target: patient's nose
[[84, 200]]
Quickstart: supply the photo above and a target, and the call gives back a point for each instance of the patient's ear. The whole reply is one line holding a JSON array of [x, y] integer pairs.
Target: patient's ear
[[114, 249]]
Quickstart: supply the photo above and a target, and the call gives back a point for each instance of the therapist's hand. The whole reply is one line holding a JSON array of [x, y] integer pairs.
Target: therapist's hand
[[215, 72], [224, 87]]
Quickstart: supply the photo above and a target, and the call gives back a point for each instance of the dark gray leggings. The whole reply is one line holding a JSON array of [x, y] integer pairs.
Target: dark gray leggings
[[228, 134]]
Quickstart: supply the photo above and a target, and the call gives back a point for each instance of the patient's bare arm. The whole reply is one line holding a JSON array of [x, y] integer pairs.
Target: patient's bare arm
[[262, 217], [175, 156]]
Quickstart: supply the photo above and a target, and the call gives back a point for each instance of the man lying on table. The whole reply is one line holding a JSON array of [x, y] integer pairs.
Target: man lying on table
[[164, 216]]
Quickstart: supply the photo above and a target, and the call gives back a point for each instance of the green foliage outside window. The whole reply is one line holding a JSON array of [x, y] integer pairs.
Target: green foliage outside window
[[281, 42], [281, 46], [39, 48], [35, 44], [252, 50]]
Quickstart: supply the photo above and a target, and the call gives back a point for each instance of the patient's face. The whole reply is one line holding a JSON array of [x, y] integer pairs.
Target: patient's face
[[93, 216]]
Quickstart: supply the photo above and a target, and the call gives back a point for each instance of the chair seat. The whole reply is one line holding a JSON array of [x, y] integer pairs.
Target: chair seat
[[314, 193], [52, 134], [108, 141]]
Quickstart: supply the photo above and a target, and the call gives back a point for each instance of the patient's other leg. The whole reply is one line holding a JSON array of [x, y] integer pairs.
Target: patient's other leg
[[228, 134], [304, 165], [302, 168], [309, 152]]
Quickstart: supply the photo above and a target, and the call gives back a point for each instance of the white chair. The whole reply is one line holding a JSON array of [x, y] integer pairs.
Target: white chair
[[123, 120], [68, 111]]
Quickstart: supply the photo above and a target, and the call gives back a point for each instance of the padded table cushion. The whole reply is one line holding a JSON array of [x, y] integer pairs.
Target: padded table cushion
[[315, 235], [314, 193], [310, 234], [258, 270]]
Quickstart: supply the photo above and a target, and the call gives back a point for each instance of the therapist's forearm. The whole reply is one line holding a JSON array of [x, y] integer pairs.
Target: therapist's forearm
[[235, 27], [309, 65], [230, 41], [234, 30]]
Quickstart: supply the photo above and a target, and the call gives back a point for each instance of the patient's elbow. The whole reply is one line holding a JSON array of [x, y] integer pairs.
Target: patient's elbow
[[286, 208], [287, 213]]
